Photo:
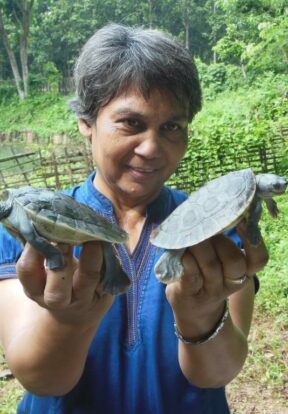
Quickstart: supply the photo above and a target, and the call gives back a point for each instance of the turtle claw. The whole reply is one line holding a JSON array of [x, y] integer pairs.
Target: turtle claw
[[169, 268], [254, 235], [116, 287], [114, 280], [54, 258], [55, 262]]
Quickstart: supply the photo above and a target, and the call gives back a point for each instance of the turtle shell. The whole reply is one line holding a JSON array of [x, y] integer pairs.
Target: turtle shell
[[218, 205], [60, 218]]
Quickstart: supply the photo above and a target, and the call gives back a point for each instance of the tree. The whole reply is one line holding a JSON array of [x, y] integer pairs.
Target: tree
[[61, 27], [151, 4], [256, 35], [271, 52], [15, 15]]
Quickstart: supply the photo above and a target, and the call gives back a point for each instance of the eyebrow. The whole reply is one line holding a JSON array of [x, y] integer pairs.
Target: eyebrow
[[128, 111]]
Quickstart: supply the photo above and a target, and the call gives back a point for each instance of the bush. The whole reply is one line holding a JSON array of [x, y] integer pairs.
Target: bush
[[7, 91], [212, 77]]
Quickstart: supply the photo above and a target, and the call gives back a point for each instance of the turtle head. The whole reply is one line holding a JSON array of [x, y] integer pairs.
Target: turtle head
[[5, 204], [270, 185]]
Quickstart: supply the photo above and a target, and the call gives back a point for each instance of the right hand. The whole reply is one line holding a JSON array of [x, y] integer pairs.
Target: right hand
[[73, 295]]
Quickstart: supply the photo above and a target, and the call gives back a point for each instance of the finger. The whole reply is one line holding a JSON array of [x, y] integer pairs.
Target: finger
[[31, 272], [191, 281], [256, 256], [58, 289], [87, 276], [232, 258], [209, 264], [233, 261]]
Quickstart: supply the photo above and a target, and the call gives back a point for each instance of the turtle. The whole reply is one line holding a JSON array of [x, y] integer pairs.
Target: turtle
[[44, 217], [212, 209]]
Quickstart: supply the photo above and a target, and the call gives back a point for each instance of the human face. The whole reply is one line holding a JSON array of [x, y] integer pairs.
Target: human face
[[137, 144]]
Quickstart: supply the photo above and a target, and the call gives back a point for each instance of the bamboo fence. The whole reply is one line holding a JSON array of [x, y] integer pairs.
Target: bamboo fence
[[66, 166]]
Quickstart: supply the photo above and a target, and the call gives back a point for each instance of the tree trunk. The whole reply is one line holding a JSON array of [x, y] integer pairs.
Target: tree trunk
[[187, 27], [244, 73], [22, 17], [24, 64], [214, 33], [25, 23], [12, 59], [151, 13], [186, 21]]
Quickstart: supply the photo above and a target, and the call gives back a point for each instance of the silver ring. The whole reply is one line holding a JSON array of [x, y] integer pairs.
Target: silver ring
[[240, 280]]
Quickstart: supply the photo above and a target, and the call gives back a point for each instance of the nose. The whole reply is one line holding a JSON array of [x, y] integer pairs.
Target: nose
[[149, 146], [281, 185]]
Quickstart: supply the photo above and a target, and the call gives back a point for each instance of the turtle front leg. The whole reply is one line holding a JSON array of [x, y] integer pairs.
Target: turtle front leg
[[53, 256], [272, 207], [169, 268], [113, 278], [253, 229]]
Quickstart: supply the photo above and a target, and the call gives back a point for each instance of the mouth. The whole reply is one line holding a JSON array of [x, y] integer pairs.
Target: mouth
[[142, 171], [281, 188], [280, 191]]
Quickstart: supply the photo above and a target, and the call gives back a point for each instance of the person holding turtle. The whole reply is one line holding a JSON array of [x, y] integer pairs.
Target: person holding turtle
[[154, 349]]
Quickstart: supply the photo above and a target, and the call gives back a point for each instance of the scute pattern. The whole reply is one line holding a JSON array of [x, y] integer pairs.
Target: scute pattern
[[61, 218], [210, 210]]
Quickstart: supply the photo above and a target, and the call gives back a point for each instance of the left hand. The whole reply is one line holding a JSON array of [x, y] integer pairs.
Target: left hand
[[213, 270]]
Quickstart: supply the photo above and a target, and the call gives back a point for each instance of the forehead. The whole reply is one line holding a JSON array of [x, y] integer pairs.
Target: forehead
[[157, 102]]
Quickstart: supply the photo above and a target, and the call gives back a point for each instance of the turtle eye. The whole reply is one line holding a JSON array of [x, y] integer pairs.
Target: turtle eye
[[280, 186]]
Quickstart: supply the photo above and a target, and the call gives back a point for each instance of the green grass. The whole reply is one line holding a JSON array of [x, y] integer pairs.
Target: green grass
[[261, 386], [273, 297], [10, 391], [10, 394], [45, 114]]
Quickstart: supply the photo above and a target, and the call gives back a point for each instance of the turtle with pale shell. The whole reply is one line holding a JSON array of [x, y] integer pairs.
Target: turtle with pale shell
[[212, 209]]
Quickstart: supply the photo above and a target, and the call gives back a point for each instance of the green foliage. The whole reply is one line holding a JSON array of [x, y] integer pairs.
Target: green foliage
[[255, 35], [45, 114], [230, 47], [47, 78], [273, 295], [248, 35], [213, 76], [271, 52], [7, 91], [234, 77], [223, 135]]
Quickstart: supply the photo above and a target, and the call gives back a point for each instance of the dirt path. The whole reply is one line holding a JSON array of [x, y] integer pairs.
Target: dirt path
[[262, 385]]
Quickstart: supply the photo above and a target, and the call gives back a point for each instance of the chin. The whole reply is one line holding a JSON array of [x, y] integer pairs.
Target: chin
[[135, 192]]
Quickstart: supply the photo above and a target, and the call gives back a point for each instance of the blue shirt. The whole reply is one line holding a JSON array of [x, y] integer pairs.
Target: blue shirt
[[132, 364]]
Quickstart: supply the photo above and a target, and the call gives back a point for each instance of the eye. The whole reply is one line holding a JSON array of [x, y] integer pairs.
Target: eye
[[172, 127], [132, 123]]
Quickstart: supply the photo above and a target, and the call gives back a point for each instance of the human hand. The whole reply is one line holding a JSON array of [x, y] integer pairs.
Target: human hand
[[213, 270], [73, 295]]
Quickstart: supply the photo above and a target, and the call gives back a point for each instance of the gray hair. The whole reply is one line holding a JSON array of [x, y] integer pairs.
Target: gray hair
[[116, 57]]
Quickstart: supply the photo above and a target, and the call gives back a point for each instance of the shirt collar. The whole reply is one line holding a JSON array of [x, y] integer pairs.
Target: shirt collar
[[156, 211]]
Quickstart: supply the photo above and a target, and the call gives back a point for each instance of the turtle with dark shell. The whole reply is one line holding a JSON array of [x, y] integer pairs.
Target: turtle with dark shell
[[43, 217], [212, 209]]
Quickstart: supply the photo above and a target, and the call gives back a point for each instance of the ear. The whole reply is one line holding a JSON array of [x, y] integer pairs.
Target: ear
[[85, 129]]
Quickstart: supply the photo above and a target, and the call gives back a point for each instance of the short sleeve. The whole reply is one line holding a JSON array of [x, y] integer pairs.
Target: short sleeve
[[10, 250], [234, 236]]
